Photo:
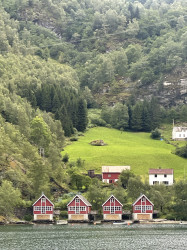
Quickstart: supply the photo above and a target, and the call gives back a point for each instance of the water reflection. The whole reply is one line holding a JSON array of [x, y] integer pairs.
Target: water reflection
[[74, 236]]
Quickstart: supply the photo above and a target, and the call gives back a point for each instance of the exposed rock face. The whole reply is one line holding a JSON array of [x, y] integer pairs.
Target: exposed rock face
[[170, 92]]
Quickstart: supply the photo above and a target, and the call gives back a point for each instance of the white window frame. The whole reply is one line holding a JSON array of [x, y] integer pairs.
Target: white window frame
[[118, 208], [106, 208], [112, 200], [49, 208], [43, 200], [37, 208], [137, 207], [112, 210], [148, 207], [77, 200], [82, 208], [43, 209], [71, 208]]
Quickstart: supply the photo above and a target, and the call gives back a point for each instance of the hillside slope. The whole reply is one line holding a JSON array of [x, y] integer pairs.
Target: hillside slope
[[137, 150]]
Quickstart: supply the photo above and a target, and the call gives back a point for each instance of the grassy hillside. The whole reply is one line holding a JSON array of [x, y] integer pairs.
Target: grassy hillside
[[125, 148]]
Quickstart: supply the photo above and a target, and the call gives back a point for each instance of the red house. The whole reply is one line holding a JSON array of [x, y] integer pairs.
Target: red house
[[43, 209], [110, 174], [142, 208], [79, 209], [112, 209]]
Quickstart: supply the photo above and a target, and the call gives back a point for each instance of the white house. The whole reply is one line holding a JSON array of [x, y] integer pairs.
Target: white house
[[179, 133], [160, 176]]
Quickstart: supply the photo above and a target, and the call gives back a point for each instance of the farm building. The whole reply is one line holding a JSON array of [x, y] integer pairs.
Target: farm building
[[43, 209], [161, 176], [110, 174], [142, 208], [112, 209], [179, 133], [79, 209]]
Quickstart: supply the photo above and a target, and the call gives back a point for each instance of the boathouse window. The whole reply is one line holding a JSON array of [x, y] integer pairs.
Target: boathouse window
[[77, 200], [112, 209], [137, 207], [37, 208], [43, 200], [82, 208], [118, 208], [106, 208], [112, 200], [143, 199], [48, 208], [71, 208], [148, 207]]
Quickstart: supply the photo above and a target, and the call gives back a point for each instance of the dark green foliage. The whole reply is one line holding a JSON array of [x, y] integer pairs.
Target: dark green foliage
[[65, 158], [136, 121], [124, 177], [155, 134], [182, 151], [82, 119]]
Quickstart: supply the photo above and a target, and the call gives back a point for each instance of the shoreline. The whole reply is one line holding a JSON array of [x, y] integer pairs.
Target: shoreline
[[65, 222]]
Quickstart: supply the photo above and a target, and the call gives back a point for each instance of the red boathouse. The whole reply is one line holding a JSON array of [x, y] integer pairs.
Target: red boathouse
[[78, 209], [142, 208], [110, 174], [112, 209], [43, 209]]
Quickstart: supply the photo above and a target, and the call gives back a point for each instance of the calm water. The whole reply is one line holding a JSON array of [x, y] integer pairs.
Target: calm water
[[82, 237]]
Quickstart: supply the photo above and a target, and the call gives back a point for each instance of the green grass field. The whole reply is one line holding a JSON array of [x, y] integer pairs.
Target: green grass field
[[137, 150]]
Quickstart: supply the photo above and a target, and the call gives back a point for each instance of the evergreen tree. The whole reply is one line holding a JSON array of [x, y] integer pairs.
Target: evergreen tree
[[66, 122], [155, 114], [46, 97], [136, 121], [82, 119], [146, 118]]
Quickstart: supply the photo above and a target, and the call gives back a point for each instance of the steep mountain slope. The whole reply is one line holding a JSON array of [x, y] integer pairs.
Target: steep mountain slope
[[116, 47]]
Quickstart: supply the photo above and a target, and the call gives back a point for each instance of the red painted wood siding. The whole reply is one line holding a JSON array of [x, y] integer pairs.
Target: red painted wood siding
[[39, 204], [111, 176], [79, 204], [112, 204], [143, 203]]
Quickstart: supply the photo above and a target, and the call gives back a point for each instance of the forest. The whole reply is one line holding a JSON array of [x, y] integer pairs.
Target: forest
[[59, 59]]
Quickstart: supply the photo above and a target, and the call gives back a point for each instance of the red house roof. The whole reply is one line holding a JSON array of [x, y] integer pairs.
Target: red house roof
[[160, 171], [43, 195], [112, 196], [143, 195], [81, 198]]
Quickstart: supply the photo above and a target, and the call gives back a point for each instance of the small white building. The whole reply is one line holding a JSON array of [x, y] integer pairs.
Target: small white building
[[161, 176], [110, 174], [179, 133]]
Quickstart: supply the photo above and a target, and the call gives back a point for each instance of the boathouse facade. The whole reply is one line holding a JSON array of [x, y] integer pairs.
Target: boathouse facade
[[112, 209], [142, 208], [79, 209], [43, 209]]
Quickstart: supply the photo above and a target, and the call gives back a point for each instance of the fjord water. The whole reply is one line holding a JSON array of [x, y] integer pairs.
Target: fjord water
[[74, 236]]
